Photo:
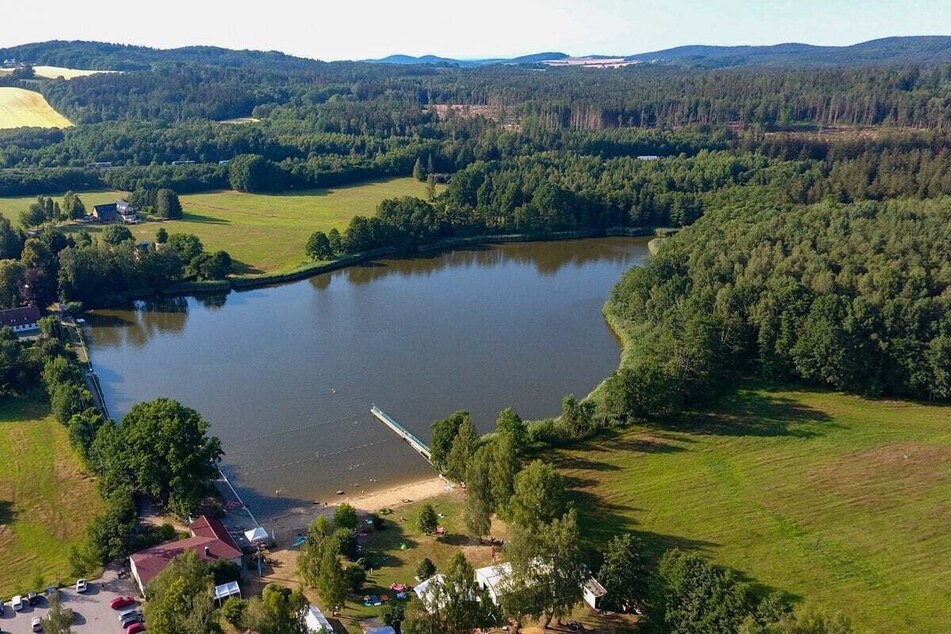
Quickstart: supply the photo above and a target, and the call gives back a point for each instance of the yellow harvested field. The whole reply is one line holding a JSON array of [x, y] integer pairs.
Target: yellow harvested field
[[21, 108], [53, 72]]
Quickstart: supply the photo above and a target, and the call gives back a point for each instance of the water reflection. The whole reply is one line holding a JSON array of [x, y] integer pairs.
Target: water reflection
[[286, 374]]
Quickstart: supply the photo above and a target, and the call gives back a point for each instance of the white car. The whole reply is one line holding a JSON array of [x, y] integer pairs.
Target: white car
[[17, 603], [36, 624], [81, 585]]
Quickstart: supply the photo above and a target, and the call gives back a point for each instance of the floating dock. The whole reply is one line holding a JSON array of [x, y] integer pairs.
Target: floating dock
[[414, 442]]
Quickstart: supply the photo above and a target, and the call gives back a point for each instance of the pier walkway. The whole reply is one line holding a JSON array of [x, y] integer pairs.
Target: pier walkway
[[414, 442]]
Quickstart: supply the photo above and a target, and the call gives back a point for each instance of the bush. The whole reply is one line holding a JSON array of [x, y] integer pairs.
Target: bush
[[232, 610], [345, 517], [356, 577], [425, 569]]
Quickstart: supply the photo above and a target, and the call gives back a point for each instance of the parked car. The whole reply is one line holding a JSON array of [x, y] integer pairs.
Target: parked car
[[129, 617], [37, 624], [50, 591], [32, 598], [2, 607], [81, 585], [135, 628], [121, 602], [17, 603]]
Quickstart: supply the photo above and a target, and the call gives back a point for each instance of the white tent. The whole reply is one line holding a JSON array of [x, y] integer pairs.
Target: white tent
[[316, 621], [256, 535], [226, 590], [426, 591]]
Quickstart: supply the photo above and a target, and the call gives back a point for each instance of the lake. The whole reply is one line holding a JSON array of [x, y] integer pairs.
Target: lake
[[287, 375]]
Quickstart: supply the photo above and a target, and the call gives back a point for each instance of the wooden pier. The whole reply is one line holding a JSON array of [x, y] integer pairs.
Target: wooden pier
[[414, 442]]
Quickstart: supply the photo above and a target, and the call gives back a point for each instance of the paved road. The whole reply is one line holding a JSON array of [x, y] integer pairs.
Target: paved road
[[93, 614]]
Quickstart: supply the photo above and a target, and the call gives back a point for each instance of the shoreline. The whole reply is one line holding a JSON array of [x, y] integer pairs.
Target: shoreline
[[237, 284], [285, 527]]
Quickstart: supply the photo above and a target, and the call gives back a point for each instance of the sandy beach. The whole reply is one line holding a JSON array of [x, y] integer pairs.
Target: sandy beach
[[287, 526]]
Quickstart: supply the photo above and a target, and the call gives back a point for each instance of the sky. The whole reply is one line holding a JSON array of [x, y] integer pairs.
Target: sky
[[361, 29]]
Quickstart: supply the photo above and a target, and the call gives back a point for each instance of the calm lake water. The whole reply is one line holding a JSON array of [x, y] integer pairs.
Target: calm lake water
[[287, 375]]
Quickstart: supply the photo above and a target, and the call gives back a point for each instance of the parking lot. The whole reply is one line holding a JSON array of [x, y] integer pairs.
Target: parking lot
[[93, 614]]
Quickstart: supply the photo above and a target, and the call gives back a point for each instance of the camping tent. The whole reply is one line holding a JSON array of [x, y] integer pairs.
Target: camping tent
[[256, 535]]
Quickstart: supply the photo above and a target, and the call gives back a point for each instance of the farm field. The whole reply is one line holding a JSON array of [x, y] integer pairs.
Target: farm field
[[838, 500], [46, 498], [21, 108], [263, 233]]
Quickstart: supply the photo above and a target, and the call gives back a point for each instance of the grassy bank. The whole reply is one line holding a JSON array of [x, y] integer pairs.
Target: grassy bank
[[835, 499], [263, 233], [47, 499]]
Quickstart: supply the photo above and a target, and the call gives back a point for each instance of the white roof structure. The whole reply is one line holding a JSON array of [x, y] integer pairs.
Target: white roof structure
[[256, 534], [226, 590], [316, 621], [493, 579], [427, 589]]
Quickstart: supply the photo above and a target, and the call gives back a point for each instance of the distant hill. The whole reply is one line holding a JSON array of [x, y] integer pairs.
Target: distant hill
[[105, 56], [886, 51], [890, 51]]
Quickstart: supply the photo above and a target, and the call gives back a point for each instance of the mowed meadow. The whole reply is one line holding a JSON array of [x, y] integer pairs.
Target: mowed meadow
[[837, 500], [21, 108], [263, 233], [47, 500]]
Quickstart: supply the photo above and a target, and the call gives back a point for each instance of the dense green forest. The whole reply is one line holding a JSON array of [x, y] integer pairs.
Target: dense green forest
[[840, 172]]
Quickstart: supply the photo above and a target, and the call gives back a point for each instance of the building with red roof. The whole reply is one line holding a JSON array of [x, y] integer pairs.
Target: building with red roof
[[210, 540]]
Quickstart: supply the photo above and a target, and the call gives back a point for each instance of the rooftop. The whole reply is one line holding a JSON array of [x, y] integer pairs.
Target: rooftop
[[19, 316]]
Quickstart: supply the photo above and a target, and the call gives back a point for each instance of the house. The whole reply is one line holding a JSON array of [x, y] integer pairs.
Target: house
[[210, 540], [112, 212], [25, 321], [127, 212], [493, 579], [593, 593], [105, 213], [316, 621]]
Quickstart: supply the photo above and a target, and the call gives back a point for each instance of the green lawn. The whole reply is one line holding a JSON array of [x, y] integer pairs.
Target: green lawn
[[46, 498], [264, 233], [393, 564], [837, 500]]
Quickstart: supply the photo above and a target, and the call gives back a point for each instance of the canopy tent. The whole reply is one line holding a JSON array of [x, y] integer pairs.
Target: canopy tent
[[316, 621], [256, 535], [226, 590]]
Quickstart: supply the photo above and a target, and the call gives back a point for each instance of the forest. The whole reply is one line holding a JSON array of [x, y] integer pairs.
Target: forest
[[814, 197]]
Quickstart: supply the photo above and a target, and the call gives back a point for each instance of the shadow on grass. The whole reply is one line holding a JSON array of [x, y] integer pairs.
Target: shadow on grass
[[749, 413], [190, 216], [7, 514], [243, 268], [381, 547]]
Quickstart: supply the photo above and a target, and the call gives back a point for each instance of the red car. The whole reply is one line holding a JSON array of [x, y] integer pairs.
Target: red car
[[121, 602], [135, 628]]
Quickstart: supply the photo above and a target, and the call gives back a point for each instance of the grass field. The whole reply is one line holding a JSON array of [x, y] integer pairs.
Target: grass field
[[46, 499], [21, 108], [263, 233], [840, 501]]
